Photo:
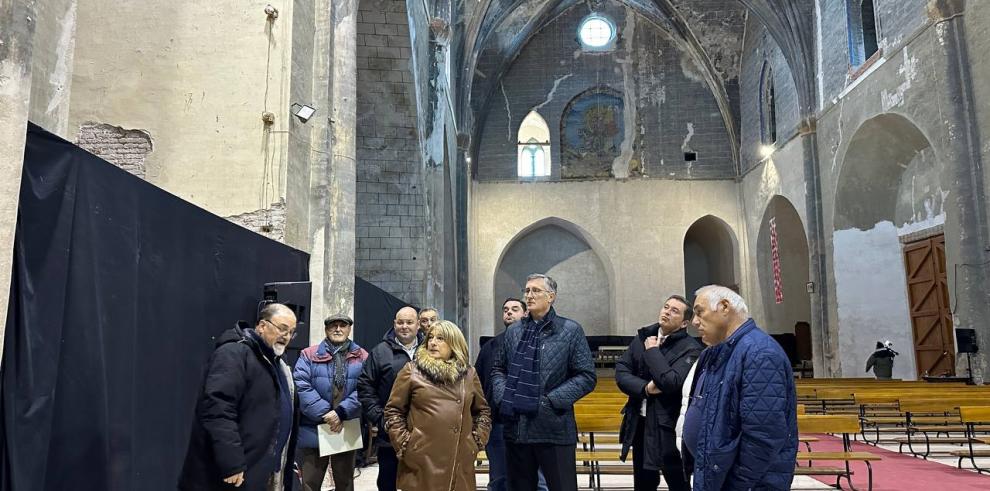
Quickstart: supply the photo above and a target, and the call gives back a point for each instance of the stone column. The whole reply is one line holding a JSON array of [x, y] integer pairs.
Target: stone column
[[334, 176], [16, 40], [824, 334], [967, 231]]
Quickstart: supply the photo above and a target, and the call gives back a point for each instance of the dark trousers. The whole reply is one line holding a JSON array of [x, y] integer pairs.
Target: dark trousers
[[671, 465], [524, 461], [388, 468], [314, 468]]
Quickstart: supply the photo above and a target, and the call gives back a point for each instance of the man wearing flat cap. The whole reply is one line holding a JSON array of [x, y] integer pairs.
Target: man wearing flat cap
[[326, 377]]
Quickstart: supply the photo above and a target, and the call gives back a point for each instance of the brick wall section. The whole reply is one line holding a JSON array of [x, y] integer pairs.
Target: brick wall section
[[126, 149], [667, 89], [897, 20], [391, 212], [760, 48], [269, 222]]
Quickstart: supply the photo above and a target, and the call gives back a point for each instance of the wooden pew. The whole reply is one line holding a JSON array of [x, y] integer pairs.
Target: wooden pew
[[836, 424], [972, 416]]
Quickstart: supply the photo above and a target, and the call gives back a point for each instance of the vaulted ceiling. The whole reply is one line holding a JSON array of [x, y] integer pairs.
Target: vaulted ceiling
[[710, 30]]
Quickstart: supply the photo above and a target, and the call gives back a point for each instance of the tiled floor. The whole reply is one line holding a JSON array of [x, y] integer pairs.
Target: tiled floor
[[366, 482]]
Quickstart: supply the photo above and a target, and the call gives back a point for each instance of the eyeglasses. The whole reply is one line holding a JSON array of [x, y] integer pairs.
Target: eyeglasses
[[338, 327], [282, 330], [533, 291]]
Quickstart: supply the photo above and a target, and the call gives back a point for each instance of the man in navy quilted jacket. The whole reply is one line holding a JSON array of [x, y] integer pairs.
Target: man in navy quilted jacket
[[543, 368], [741, 421]]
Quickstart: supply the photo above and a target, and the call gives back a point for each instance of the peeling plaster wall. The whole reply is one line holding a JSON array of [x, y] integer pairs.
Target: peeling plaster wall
[[269, 222], [871, 298], [864, 252], [761, 49], [897, 21], [638, 237], [197, 77], [669, 109], [718, 25], [127, 149], [52, 62]]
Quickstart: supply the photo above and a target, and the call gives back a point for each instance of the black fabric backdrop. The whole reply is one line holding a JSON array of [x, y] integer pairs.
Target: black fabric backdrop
[[118, 288], [374, 313]]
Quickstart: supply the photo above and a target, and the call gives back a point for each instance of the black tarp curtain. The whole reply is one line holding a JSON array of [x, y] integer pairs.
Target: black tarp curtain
[[118, 288]]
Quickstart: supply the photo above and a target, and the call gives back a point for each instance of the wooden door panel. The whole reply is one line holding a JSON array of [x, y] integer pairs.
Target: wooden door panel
[[928, 299]]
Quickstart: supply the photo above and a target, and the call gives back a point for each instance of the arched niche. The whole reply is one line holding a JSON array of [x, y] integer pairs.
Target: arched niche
[[889, 190], [795, 306], [570, 256], [709, 255]]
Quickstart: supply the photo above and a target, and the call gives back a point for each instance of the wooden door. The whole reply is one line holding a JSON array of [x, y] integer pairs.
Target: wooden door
[[928, 297]]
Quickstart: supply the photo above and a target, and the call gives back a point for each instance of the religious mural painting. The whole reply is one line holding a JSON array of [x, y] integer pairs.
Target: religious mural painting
[[591, 132]]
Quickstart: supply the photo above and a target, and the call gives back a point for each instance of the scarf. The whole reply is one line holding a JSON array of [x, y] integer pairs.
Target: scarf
[[340, 352], [522, 385]]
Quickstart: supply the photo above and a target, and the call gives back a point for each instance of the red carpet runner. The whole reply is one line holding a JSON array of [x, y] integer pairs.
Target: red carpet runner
[[898, 472]]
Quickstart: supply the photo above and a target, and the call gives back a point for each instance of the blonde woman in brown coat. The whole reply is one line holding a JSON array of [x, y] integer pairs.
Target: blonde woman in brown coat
[[437, 416]]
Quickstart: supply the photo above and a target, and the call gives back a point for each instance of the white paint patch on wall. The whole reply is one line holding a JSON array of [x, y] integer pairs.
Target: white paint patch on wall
[[909, 70], [870, 289], [60, 78]]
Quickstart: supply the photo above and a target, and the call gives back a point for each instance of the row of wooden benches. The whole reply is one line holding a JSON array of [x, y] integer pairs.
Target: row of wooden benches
[[599, 416], [915, 415]]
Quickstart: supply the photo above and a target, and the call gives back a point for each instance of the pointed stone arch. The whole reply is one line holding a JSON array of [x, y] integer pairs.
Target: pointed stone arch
[[573, 257]]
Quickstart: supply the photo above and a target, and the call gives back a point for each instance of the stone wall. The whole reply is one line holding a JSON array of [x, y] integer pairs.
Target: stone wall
[[897, 21], [759, 51], [126, 149], [391, 214], [669, 109]]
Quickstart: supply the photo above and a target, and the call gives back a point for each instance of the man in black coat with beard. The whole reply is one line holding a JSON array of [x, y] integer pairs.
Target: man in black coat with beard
[[651, 373], [246, 420]]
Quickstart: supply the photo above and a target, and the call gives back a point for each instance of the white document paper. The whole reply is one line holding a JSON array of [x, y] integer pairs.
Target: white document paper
[[349, 438]]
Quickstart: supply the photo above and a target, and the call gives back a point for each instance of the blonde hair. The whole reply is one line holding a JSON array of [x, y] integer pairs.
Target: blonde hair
[[452, 335]]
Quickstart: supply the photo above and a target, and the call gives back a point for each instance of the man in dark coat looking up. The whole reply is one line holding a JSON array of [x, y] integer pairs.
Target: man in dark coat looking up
[[397, 348], [652, 373], [543, 368], [244, 431]]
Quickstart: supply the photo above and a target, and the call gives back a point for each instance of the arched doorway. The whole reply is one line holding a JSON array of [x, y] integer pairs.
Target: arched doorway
[[709, 255], [788, 319], [559, 249], [887, 261]]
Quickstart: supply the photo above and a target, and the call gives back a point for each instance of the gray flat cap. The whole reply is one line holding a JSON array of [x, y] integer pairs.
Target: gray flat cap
[[338, 317]]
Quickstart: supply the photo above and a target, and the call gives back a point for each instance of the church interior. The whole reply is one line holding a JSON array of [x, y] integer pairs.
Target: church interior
[[826, 159]]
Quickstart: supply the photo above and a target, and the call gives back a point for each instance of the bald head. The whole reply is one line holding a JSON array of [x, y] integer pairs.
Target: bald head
[[406, 325]]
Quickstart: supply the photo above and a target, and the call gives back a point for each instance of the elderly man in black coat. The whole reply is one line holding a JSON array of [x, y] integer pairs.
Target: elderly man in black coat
[[651, 373], [246, 420]]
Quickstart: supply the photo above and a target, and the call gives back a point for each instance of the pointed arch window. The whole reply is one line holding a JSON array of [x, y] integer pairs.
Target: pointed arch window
[[768, 107], [533, 147], [863, 30]]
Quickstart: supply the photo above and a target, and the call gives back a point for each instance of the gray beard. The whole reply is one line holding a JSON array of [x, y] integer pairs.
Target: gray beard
[[279, 349]]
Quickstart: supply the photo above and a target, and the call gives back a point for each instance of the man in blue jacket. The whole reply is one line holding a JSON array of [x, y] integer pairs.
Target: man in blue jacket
[[326, 377], [543, 368], [741, 421]]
